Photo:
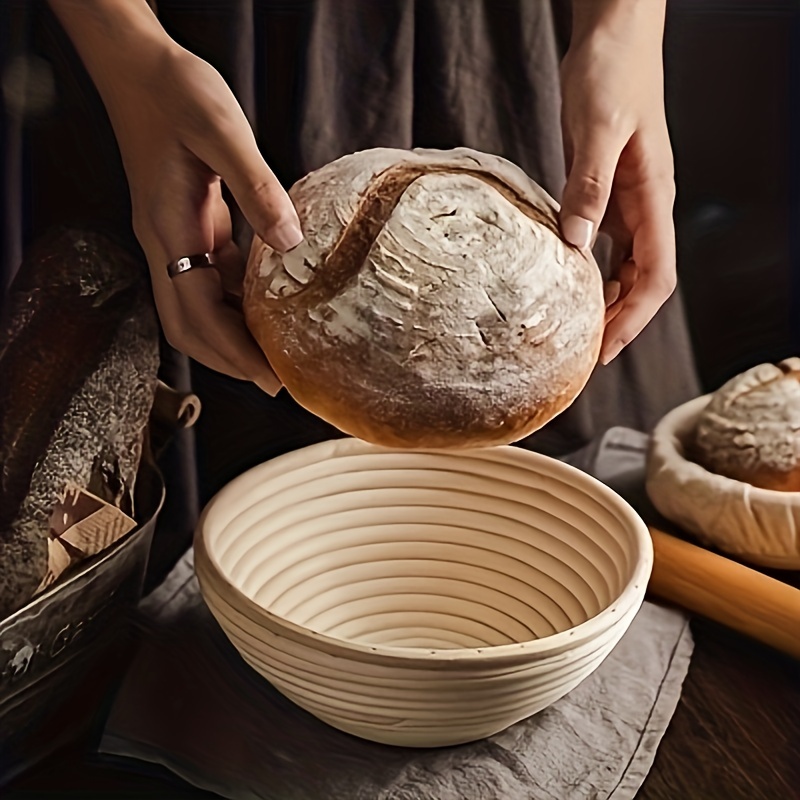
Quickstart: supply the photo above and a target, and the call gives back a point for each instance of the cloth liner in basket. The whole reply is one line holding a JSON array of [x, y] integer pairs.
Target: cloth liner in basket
[[758, 525]]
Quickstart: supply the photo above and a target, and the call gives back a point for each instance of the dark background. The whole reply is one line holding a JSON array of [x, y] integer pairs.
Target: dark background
[[733, 104]]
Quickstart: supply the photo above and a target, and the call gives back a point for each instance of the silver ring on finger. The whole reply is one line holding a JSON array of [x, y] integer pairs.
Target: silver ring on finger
[[186, 263]]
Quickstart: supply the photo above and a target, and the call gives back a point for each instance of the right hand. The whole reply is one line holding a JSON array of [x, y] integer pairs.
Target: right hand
[[619, 156], [181, 132]]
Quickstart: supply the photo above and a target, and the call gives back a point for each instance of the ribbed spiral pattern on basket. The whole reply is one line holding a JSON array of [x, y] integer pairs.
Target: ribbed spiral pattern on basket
[[421, 598]]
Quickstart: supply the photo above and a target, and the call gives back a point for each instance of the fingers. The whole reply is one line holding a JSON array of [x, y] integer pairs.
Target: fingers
[[229, 148], [646, 284], [593, 161], [215, 333], [615, 137], [639, 220], [611, 292], [194, 314], [230, 266], [228, 259], [625, 279]]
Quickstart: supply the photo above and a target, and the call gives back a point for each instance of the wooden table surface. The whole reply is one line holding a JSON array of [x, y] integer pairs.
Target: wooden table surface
[[735, 735]]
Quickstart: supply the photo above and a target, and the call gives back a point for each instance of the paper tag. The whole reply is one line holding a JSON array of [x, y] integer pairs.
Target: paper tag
[[58, 559], [81, 526]]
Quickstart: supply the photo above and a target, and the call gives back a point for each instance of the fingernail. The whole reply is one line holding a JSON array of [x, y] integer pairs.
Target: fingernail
[[578, 231], [285, 236], [270, 385], [611, 352]]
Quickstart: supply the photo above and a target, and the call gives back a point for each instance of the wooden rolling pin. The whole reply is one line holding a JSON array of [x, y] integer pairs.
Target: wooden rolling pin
[[726, 592]]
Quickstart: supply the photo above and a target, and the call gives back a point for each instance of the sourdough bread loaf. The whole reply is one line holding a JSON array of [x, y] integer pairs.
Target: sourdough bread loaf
[[750, 429], [432, 304]]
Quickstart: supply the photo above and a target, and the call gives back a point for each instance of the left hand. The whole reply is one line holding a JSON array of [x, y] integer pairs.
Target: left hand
[[620, 168]]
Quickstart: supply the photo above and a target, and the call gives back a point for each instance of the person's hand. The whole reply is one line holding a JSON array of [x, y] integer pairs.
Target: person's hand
[[181, 132], [177, 140], [619, 158]]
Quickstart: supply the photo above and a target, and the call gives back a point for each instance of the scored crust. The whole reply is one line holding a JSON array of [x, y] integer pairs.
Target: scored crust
[[433, 303], [750, 430]]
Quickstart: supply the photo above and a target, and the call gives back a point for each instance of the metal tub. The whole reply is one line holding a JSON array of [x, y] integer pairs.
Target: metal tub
[[48, 646]]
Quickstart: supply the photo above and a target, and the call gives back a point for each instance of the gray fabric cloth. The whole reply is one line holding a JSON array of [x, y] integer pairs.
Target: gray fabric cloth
[[191, 704]]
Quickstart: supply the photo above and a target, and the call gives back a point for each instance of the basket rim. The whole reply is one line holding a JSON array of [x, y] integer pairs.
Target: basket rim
[[668, 466], [631, 596], [665, 434]]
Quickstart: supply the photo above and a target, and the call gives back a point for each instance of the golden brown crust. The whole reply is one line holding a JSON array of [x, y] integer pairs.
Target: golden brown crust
[[407, 365], [774, 480], [444, 420], [750, 430]]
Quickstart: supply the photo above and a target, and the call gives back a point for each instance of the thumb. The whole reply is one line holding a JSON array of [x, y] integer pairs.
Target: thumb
[[234, 155], [588, 189]]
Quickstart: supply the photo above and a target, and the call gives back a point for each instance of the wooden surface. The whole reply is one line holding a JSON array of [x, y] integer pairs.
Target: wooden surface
[[735, 735]]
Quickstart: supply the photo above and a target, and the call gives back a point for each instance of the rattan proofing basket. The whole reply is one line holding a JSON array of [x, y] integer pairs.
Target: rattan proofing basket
[[421, 598]]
